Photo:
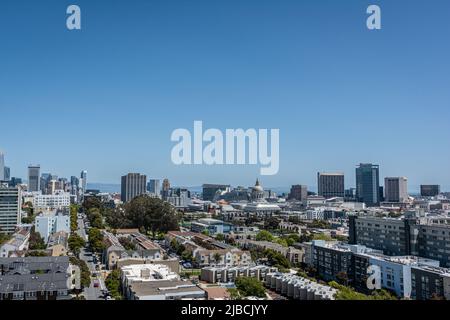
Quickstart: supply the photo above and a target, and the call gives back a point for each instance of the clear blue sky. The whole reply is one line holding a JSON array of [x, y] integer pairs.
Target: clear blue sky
[[107, 98]]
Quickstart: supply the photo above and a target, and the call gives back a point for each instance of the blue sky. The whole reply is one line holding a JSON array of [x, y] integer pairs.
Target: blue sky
[[107, 98]]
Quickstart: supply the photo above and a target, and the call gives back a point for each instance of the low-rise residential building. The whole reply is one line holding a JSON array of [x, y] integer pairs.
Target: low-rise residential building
[[226, 275], [35, 278], [212, 226], [207, 251], [298, 288], [156, 282], [50, 222], [58, 244], [294, 255], [115, 251], [18, 242]]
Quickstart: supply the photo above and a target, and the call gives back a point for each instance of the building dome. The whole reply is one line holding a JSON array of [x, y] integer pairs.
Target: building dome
[[258, 187]]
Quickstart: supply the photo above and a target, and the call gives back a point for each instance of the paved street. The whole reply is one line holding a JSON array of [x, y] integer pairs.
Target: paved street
[[90, 293]]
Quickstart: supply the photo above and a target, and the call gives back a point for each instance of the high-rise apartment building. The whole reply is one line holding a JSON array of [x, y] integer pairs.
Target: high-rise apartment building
[[10, 206], [133, 185], [368, 184], [396, 189], [34, 178], [83, 178], [330, 185]]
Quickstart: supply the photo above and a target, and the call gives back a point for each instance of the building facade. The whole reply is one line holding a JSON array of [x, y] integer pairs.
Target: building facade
[[368, 184], [34, 180], [330, 185], [396, 189], [133, 185], [10, 208]]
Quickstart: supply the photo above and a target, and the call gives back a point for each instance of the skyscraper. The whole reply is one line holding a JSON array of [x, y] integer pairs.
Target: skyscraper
[[2, 167], [133, 185], [368, 184], [34, 178], [330, 185], [395, 189], [10, 206], [165, 189], [83, 181], [74, 185], [7, 175], [153, 186]]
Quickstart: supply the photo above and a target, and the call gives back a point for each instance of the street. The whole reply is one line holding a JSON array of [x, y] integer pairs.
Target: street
[[90, 293]]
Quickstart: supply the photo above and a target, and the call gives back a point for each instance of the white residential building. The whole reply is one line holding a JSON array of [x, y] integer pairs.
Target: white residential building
[[51, 222]]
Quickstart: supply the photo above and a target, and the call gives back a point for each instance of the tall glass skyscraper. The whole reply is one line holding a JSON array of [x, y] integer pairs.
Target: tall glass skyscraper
[[2, 167], [34, 182], [368, 184], [83, 177]]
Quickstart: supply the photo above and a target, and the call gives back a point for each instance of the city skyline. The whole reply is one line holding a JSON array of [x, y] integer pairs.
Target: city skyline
[[339, 93], [314, 186]]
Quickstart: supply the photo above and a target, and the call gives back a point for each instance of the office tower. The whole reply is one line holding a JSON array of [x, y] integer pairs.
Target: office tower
[[430, 190], [10, 206], [44, 182], [298, 192], [330, 185], [153, 186], [83, 181], [74, 185], [209, 190], [34, 178], [368, 184], [165, 189], [2, 167], [7, 175], [133, 185], [395, 189]]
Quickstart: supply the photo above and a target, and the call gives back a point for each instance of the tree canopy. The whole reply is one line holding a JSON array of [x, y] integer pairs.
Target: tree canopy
[[146, 213]]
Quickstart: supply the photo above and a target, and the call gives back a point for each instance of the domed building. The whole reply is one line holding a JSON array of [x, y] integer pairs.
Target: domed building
[[257, 194]]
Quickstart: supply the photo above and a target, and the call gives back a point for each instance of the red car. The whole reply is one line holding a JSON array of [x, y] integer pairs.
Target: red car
[[96, 283]]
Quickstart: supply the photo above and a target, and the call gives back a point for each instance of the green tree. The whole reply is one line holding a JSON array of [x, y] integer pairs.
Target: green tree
[[112, 282], [4, 237], [217, 257], [36, 253], [76, 243], [248, 286], [96, 239], [271, 223], [220, 237], [152, 214], [264, 235], [85, 273], [36, 242], [277, 259], [127, 243]]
